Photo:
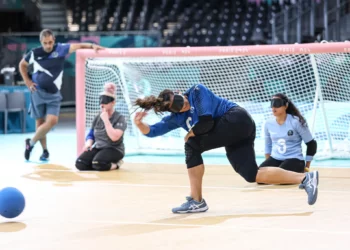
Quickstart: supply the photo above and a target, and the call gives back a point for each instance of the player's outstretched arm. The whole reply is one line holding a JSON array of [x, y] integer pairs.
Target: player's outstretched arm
[[144, 128], [162, 127], [75, 46]]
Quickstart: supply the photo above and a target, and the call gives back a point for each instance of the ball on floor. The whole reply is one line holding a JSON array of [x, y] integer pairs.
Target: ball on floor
[[12, 202]]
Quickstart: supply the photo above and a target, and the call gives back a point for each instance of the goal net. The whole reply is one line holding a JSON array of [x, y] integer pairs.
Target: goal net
[[315, 77]]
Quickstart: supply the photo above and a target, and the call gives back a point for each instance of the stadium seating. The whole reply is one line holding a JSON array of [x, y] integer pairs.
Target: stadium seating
[[181, 22]]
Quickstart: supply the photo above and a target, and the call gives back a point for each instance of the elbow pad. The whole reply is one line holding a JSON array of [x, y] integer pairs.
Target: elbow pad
[[311, 149], [204, 125]]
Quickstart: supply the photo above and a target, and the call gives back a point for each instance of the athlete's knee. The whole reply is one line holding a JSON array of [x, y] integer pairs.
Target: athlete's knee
[[250, 176], [249, 171], [52, 120], [82, 164], [264, 175], [40, 122], [101, 165], [193, 154]]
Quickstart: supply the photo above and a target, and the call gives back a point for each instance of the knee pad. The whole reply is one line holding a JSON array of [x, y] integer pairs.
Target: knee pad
[[82, 165], [250, 177], [193, 154], [101, 165]]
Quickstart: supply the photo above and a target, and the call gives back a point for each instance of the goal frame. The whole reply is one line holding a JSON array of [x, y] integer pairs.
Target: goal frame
[[250, 50]]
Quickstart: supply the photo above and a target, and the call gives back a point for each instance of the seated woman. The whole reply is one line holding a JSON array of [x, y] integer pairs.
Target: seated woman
[[104, 147], [283, 137]]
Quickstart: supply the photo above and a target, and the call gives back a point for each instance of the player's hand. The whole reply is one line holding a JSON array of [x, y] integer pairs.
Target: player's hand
[[87, 147], [139, 116], [97, 47], [189, 134], [104, 115], [307, 166], [31, 85]]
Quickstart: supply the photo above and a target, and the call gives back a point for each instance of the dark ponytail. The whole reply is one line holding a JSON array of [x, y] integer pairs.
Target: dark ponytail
[[159, 104], [292, 109]]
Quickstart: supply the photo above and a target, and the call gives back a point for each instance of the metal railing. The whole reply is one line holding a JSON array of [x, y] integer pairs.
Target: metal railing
[[301, 20]]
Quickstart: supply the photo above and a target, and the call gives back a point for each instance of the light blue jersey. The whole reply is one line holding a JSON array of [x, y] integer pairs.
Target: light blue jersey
[[284, 141], [202, 102]]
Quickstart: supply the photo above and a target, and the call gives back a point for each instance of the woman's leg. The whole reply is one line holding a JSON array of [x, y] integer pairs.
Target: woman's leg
[[104, 159], [196, 177], [84, 162], [294, 165], [242, 158], [270, 162], [273, 175], [225, 132], [294, 168]]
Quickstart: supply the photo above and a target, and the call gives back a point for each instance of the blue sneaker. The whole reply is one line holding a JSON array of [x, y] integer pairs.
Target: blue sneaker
[[45, 155], [310, 184], [191, 206]]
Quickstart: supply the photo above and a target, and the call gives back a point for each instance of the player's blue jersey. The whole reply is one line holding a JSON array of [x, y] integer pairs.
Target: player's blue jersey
[[202, 102], [284, 141], [48, 67]]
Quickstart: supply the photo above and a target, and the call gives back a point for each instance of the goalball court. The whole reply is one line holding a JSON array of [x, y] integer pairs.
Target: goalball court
[[131, 208]]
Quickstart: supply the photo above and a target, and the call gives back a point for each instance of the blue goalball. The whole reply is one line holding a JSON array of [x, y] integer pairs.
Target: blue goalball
[[12, 202]]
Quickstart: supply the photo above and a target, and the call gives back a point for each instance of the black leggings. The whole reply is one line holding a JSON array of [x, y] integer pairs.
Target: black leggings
[[98, 159], [293, 164], [235, 131]]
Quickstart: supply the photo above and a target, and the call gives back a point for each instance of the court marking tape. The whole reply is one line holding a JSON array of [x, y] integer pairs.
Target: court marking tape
[[208, 187], [89, 182], [297, 230]]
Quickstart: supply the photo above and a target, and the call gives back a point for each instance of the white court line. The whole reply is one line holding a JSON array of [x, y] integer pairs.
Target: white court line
[[208, 187], [298, 230], [182, 186]]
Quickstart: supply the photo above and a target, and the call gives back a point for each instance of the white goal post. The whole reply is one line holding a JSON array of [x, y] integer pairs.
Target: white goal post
[[316, 77]]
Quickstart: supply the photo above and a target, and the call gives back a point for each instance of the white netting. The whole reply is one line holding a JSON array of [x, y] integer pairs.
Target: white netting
[[249, 81]]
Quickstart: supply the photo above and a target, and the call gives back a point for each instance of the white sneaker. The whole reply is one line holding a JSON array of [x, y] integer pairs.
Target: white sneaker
[[120, 163]]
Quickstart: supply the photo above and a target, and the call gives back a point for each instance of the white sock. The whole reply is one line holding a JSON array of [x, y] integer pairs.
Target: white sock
[[113, 166]]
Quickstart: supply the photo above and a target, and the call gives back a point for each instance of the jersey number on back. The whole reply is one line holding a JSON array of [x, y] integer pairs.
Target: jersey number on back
[[189, 119]]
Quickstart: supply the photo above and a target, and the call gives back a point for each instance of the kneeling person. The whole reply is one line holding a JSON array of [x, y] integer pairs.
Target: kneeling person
[[104, 148], [284, 135]]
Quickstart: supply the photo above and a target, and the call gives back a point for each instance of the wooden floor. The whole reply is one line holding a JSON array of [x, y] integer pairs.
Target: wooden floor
[[131, 209]]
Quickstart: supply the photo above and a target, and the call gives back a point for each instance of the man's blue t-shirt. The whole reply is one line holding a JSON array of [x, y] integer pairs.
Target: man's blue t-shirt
[[48, 67], [202, 102]]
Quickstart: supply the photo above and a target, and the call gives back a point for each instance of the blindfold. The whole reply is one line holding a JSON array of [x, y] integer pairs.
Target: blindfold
[[277, 103], [178, 103], [105, 99]]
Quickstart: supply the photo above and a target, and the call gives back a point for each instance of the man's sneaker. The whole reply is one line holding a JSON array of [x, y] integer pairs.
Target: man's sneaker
[[310, 184], [45, 155], [191, 206], [28, 149]]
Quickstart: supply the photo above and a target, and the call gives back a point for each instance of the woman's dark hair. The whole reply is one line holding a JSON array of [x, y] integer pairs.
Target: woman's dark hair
[[159, 104], [294, 111]]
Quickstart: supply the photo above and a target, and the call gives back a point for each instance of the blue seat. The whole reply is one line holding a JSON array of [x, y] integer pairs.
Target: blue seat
[[16, 102], [3, 109]]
